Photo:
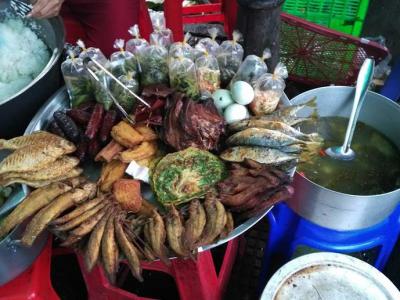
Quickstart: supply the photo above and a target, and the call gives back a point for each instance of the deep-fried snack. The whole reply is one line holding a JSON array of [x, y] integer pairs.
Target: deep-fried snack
[[175, 229], [125, 135], [155, 236], [147, 133], [128, 195], [109, 250], [142, 151], [111, 172], [229, 226], [194, 226], [109, 152]]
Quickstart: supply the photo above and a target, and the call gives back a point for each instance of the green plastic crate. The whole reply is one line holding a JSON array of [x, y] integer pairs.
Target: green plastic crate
[[346, 16]]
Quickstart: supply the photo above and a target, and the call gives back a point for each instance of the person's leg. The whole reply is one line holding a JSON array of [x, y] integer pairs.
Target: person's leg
[[105, 20]]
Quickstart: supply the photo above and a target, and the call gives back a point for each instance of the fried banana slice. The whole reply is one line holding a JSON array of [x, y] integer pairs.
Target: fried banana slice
[[194, 226], [147, 133], [110, 173], [54, 209], [175, 230], [94, 243], [109, 250], [129, 250], [31, 204], [125, 135], [142, 151]]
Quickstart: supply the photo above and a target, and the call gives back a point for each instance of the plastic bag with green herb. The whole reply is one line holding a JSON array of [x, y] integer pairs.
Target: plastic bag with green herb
[[252, 68], [210, 44], [183, 48], [91, 52], [122, 61], [124, 98], [161, 35], [268, 89], [100, 87], [208, 73], [136, 44], [230, 56], [182, 75], [76, 80], [153, 65]]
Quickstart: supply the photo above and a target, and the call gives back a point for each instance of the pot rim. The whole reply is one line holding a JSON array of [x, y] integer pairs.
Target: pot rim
[[388, 102]]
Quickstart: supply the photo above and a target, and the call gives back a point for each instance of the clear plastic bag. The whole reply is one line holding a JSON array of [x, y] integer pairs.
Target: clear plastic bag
[[122, 61], [91, 52], [100, 87], [182, 75], [230, 56], [183, 48], [136, 44], [127, 100], [252, 68], [161, 35], [208, 74], [154, 65], [268, 89], [76, 80], [210, 44]]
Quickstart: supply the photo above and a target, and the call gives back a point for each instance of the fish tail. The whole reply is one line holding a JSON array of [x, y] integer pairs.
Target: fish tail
[[312, 147], [315, 137]]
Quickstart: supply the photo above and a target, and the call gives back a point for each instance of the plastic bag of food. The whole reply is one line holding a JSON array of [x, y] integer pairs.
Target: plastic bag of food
[[124, 98], [122, 61], [76, 80], [182, 75], [153, 63], [161, 35], [91, 52], [210, 44], [208, 73], [252, 68], [100, 87], [268, 89], [183, 48], [136, 44], [230, 56]]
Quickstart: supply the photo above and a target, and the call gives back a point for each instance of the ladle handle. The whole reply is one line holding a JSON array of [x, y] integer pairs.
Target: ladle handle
[[363, 81]]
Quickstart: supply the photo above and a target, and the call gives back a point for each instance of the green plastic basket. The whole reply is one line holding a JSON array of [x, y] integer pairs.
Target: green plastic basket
[[346, 16]]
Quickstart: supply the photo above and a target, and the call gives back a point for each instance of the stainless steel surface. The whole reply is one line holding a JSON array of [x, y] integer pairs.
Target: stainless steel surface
[[328, 276], [336, 210], [60, 101], [17, 110], [364, 78]]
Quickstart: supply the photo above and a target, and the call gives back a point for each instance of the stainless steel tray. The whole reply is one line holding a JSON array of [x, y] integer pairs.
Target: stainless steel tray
[[60, 101]]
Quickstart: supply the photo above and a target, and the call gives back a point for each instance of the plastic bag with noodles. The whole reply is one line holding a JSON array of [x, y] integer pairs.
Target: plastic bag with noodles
[[91, 52], [210, 44], [161, 35], [122, 61], [182, 75], [136, 44], [208, 73], [252, 68], [153, 63], [127, 100], [183, 48], [268, 89], [230, 56], [76, 80]]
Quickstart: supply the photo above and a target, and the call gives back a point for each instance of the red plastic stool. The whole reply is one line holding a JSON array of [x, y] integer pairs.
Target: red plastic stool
[[34, 283], [194, 280]]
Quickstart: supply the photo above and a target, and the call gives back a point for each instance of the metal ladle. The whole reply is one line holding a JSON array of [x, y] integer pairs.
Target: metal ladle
[[364, 78]]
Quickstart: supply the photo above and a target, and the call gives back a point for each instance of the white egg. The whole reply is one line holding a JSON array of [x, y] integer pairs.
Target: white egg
[[222, 99], [235, 112], [242, 92]]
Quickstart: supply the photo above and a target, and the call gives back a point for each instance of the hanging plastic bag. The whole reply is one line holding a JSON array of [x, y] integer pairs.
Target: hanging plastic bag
[[252, 68], [136, 44], [154, 65], [230, 56], [76, 80], [268, 89], [100, 87], [91, 52], [127, 100], [182, 75], [157, 18], [183, 48], [208, 73], [210, 44], [161, 36], [122, 61]]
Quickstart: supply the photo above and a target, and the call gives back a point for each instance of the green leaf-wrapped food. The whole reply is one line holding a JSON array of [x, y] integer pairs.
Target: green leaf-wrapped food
[[185, 175]]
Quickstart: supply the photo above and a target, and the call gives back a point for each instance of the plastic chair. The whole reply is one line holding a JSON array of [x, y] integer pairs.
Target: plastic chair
[[34, 283], [291, 236], [194, 279]]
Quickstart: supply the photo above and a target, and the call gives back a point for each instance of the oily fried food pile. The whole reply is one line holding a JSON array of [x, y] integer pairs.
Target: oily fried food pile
[[38, 160]]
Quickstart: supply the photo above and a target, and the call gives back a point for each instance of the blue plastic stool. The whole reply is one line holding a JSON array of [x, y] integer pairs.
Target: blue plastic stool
[[291, 236]]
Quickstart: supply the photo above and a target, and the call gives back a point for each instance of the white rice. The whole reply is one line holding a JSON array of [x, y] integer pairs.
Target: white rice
[[22, 56]]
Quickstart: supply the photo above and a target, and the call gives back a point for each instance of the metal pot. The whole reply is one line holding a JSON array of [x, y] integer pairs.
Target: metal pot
[[18, 110], [336, 210]]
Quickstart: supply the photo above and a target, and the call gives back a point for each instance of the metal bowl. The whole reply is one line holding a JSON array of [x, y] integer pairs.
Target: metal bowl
[[17, 110], [336, 210]]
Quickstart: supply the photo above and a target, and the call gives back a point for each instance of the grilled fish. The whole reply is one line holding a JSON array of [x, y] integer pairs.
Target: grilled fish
[[293, 109], [260, 154]]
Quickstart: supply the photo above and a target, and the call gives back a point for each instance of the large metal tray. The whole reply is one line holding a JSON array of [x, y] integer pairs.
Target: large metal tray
[[60, 101]]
